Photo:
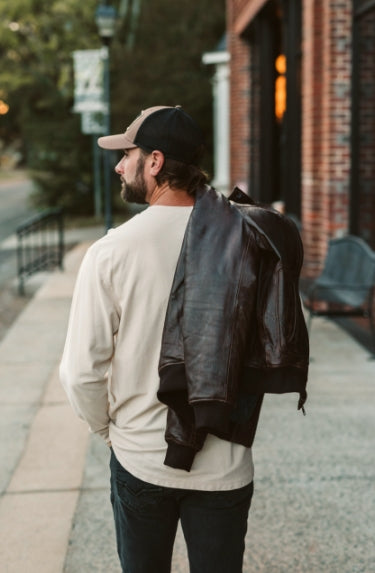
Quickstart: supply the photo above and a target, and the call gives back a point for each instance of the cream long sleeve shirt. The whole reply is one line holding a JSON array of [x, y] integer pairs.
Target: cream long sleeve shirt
[[109, 367]]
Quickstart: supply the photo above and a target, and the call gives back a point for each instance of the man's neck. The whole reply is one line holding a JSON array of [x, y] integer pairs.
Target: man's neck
[[166, 196]]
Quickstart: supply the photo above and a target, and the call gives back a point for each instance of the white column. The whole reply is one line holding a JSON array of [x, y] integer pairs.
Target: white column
[[220, 83]]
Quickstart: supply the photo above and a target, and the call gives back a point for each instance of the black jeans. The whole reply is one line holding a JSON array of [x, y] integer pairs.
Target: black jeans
[[214, 524]]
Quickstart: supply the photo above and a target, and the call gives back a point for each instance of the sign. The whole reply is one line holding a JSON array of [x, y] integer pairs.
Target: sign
[[93, 123], [88, 81]]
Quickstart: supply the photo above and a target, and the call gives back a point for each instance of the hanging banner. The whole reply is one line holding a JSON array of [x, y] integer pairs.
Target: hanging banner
[[93, 123], [88, 81]]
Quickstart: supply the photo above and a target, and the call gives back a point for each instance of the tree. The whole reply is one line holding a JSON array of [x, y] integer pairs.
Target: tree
[[155, 58], [162, 62], [36, 42]]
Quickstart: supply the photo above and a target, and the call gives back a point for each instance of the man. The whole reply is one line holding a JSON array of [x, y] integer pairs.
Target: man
[[130, 320]]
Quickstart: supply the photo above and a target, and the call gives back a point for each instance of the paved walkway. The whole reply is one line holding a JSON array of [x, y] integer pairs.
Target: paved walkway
[[314, 504]]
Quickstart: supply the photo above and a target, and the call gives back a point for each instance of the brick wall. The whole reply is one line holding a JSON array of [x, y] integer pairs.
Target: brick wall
[[326, 113], [326, 117], [238, 6], [239, 98]]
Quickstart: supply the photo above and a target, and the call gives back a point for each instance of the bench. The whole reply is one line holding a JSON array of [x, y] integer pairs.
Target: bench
[[346, 284]]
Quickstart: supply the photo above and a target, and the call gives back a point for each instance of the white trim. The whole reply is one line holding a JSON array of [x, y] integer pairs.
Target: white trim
[[215, 58], [221, 105]]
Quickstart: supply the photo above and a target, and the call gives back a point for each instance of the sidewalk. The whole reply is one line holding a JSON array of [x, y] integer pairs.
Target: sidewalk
[[314, 504]]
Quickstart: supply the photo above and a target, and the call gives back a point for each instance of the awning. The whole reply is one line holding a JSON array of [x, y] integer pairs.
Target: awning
[[247, 14]]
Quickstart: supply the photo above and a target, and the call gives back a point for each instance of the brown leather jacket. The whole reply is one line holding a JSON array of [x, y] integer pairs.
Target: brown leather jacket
[[234, 327]]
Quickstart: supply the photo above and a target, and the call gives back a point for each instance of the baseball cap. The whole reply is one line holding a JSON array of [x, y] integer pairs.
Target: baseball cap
[[164, 128]]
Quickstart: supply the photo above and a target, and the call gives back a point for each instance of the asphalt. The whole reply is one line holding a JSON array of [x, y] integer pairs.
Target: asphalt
[[313, 509]]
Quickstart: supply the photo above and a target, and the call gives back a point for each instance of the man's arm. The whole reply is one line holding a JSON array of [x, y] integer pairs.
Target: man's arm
[[89, 345]]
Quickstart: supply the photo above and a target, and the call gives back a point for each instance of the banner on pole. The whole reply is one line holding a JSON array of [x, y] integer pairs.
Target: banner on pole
[[93, 122], [88, 81]]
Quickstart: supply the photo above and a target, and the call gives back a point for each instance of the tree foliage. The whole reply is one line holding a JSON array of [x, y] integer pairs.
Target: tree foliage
[[37, 38], [163, 63], [155, 59]]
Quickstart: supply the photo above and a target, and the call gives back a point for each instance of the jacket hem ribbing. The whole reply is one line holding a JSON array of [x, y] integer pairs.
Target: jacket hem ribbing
[[179, 457]]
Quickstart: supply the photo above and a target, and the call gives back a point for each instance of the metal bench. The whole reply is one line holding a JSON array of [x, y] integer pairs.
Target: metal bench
[[346, 287]]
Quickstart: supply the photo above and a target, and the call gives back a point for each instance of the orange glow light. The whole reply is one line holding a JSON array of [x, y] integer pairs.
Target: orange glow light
[[4, 107], [280, 87], [280, 64]]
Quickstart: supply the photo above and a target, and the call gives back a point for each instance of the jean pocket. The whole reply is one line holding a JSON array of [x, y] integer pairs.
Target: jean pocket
[[136, 494]]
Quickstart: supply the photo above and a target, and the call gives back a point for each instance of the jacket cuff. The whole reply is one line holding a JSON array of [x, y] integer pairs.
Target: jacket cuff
[[212, 416], [179, 456]]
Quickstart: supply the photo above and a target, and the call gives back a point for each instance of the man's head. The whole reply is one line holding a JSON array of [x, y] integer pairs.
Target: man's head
[[168, 129], [173, 138]]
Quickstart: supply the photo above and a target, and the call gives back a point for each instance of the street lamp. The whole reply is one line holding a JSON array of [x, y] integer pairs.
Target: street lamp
[[105, 17]]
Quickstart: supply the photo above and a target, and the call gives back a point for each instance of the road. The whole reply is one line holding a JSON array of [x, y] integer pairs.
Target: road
[[14, 205], [14, 209]]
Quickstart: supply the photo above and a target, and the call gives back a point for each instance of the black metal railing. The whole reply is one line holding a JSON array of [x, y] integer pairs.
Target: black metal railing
[[40, 245]]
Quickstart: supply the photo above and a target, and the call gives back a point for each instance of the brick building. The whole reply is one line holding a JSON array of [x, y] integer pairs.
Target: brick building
[[302, 113]]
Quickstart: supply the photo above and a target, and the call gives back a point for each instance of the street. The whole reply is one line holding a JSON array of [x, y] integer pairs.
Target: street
[[15, 208]]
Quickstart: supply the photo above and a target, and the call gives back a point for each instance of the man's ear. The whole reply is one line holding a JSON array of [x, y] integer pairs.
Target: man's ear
[[156, 162]]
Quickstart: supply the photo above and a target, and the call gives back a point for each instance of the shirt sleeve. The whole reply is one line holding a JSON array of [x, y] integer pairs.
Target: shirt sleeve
[[89, 346]]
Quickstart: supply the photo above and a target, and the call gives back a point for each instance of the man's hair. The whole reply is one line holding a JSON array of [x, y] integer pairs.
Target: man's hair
[[180, 175]]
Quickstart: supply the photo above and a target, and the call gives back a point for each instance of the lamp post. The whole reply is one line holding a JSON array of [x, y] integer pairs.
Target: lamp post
[[105, 17]]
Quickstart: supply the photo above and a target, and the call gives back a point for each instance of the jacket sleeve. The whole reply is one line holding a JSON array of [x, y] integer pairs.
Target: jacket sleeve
[[183, 440]]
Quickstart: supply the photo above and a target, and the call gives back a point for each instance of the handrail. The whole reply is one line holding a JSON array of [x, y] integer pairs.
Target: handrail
[[40, 245]]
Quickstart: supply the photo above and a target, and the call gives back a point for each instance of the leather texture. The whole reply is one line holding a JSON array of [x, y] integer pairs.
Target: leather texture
[[234, 327]]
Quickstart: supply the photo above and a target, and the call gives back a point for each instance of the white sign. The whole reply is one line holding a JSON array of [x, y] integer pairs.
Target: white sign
[[93, 122], [88, 85]]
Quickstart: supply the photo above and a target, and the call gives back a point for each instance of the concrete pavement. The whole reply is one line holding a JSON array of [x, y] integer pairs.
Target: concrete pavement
[[314, 503]]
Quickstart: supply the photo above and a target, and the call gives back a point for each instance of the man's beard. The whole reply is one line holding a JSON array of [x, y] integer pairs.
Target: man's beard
[[136, 191]]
